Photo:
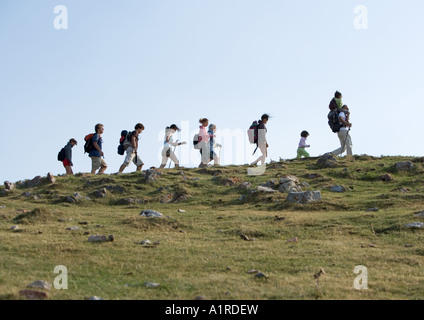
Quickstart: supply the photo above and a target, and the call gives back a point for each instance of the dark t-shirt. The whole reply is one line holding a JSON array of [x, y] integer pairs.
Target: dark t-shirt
[[96, 138]]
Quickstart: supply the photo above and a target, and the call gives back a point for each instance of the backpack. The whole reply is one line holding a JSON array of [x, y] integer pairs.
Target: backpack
[[125, 137], [333, 104], [252, 133], [88, 146], [333, 120], [61, 155], [196, 142]]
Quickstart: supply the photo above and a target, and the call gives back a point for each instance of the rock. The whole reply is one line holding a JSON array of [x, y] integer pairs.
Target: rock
[[145, 242], [50, 178], [289, 178], [181, 211], [33, 294], [77, 196], [69, 199], [372, 210], [261, 275], [292, 240], [253, 271], [327, 161], [304, 197], [100, 238], [83, 222], [99, 226], [242, 197], [151, 284], [271, 184], [245, 186], [72, 228], [26, 194], [151, 176], [94, 298], [37, 197], [40, 284], [337, 189], [415, 225], [128, 201], [289, 186], [419, 214], [100, 193], [404, 166], [2, 207], [408, 245], [151, 213], [13, 228], [9, 185], [246, 238], [313, 175], [385, 178], [305, 184], [266, 189]]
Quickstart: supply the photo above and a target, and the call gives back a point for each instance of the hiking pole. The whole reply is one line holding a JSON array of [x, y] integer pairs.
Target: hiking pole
[[175, 147]]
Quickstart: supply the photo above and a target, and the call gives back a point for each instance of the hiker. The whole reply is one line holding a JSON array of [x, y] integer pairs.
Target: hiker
[[204, 139], [301, 152], [262, 143], [67, 162], [131, 146], [168, 144], [336, 102], [96, 154], [343, 133], [212, 145]]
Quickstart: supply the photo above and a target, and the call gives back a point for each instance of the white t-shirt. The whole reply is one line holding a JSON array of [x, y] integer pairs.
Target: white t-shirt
[[171, 142], [343, 116]]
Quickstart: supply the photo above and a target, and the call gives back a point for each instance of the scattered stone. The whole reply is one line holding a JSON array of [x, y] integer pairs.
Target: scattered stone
[[100, 193], [83, 222], [305, 184], [40, 284], [151, 176], [271, 184], [337, 189], [277, 218], [129, 201], [93, 298], [292, 240], [50, 178], [69, 199], [86, 233], [372, 210], [99, 226], [408, 245], [385, 178], [151, 284], [242, 197], [182, 231], [419, 214], [327, 161], [73, 228], [151, 213], [404, 166], [253, 271], [181, 211], [26, 194], [77, 196], [313, 175], [37, 197], [145, 242], [246, 238], [304, 197], [266, 189], [33, 294], [13, 228], [245, 186], [100, 238], [415, 225], [228, 268], [261, 275], [40, 232], [9, 185]]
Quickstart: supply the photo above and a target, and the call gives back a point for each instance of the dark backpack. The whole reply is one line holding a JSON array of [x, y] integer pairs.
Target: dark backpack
[[88, 146], [125, 136], [333, 104], [252, 133], [61, 155], [333, 120]]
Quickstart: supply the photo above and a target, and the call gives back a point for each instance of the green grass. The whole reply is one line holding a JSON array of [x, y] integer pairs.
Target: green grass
[[201, 253]]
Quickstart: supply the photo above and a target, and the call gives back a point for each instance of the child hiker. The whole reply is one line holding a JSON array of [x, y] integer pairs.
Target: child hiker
[[301, 152]]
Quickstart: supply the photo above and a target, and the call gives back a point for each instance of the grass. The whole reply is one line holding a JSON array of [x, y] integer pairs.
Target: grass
[[201, 252]]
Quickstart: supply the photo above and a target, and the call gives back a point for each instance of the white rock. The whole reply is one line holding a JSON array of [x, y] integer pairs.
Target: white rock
[[415, 225], [72, 228], [266, 189], [151, 213], [151, 284], [40, 284], [14, 228]]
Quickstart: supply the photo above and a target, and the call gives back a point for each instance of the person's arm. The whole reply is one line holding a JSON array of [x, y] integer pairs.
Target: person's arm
[[96, 146], [345, 122], [134, 143]]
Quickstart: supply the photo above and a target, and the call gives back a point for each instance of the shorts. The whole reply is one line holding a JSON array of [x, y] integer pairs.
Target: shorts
[[131, 157], [97, 162], [66, 163]]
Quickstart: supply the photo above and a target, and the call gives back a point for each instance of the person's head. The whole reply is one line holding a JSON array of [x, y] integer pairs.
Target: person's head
[[174, 127], [139, 128], [304, 134], [338, 95], [73, 142], [345, 108], [265, 118], [212, 127], [99, 128], [204, 122]]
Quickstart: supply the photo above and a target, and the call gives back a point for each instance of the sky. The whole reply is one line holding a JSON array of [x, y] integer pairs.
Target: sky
[[160, 62]]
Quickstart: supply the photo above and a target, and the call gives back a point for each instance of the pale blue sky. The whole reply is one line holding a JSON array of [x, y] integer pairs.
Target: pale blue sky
[[160, 62]]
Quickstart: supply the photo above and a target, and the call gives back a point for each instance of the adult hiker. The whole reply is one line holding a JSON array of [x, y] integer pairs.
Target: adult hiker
[[168, 143], [301, 152], [213, 155], [343, 133], [262, 144], [203, 140], [131, 147], [67, 161], [96, 154]]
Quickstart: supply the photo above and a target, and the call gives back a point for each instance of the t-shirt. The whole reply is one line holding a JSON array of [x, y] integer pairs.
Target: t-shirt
[[302, 142], [169, 133], [96, 138], [343, 116]]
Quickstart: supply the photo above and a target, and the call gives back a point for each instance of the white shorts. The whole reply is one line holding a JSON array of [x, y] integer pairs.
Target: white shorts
[[131, 157]]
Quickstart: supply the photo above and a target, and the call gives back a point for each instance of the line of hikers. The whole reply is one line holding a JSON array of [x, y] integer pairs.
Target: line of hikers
[[338, 119]]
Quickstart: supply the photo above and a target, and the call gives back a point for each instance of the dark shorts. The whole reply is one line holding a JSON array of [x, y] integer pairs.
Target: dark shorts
[[66, 163]]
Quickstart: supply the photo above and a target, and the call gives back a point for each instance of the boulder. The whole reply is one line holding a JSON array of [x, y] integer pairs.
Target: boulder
[[151, 213], [337, 189], [151, 176], [100, 193], [415, 225], [404, 166], [385, 177], [327, 161], [245, 186], [69, 199], [9, 185], [304, 197], [100, 238], [265, 189], [40, 284]]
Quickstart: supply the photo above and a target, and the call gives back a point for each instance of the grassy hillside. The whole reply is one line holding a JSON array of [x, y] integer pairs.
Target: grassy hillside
[[203, 251]]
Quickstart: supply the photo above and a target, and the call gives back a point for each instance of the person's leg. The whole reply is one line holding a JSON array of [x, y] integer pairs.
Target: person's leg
[[216, 159], [301, 152], [341, 137], [138, 162], [174, 158], [205, 152], [103, 166], [164, 158], [348, 145], [95, 164], [128, 158]]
